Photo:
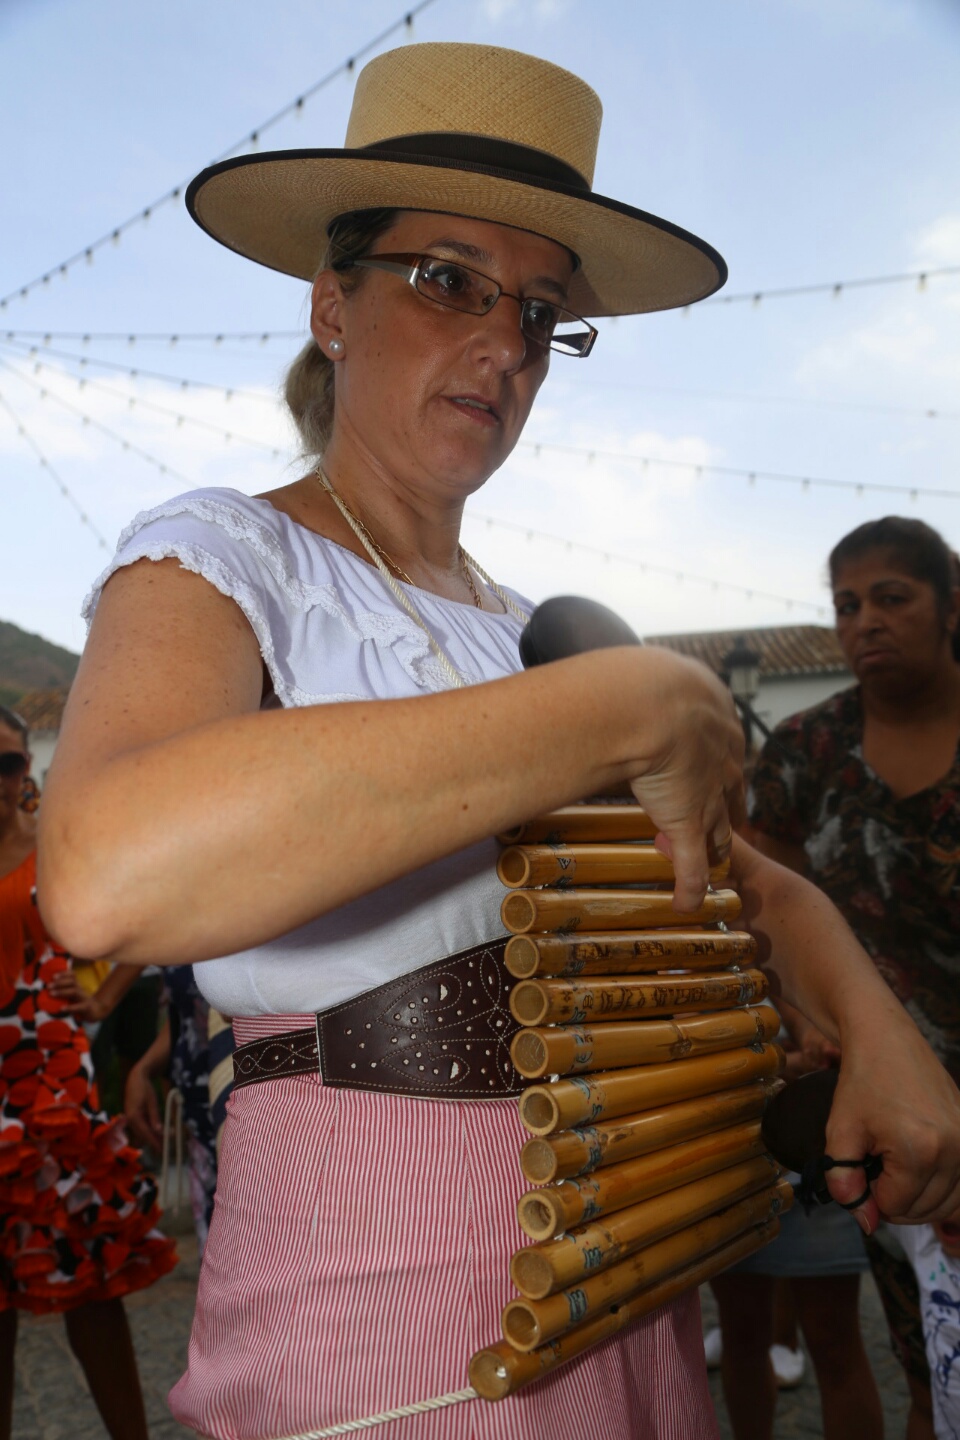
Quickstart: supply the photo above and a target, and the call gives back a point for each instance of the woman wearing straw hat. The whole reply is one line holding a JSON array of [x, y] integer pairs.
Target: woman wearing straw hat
[[302, 715]]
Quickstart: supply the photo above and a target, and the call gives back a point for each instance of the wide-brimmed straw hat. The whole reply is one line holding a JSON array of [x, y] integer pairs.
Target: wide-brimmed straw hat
[[468, 130]]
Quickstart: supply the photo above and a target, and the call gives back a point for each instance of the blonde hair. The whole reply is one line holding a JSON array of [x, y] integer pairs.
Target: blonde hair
[[309, 385]]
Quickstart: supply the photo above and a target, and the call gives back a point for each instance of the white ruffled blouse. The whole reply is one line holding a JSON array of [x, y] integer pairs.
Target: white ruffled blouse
[[330, 629]]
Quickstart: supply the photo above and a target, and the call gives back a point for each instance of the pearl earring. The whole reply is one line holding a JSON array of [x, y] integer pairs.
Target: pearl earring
[[335, 348]]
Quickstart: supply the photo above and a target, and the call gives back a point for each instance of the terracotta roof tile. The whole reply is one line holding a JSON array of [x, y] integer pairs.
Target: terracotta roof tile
[[783, 649]]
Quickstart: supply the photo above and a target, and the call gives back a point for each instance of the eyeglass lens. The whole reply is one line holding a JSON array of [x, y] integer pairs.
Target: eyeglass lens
[[12, 762], [462, 289]]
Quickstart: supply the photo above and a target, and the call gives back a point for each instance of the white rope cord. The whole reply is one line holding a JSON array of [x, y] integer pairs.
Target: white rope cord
[[350, 1427], [456, 679]]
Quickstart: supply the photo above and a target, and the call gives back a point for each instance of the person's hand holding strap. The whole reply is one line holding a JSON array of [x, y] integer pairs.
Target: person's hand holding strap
[[894, 1099]]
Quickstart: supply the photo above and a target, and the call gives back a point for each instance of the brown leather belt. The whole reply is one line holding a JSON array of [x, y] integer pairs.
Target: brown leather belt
[[442, 1031]]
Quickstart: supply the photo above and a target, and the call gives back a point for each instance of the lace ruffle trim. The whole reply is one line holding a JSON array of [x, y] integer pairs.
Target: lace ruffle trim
[[395, 632]]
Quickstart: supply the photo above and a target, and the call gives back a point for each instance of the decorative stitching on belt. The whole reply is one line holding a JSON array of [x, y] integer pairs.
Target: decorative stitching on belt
[[442, 1031]]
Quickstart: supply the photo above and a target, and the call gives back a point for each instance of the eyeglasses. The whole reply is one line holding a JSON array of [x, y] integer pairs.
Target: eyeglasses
[[459, 288], [12, 763]]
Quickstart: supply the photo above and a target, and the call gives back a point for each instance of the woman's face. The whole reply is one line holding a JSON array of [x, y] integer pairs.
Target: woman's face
[[435, 397], [11, 742], [889, 624]]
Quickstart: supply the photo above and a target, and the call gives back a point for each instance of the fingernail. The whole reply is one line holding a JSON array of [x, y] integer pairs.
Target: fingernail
[[861, 1218]]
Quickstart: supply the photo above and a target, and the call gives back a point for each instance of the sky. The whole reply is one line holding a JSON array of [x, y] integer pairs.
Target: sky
[[812, 142]]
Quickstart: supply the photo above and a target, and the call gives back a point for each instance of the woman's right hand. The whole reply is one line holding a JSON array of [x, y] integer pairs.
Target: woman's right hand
[[691, 780], [142, 1109]]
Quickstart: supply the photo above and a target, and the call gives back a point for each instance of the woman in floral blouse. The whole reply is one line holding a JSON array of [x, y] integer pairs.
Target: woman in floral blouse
[[862, 795]]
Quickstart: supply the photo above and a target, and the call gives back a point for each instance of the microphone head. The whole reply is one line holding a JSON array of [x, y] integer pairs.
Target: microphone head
[[794, 1126], [569, 625]]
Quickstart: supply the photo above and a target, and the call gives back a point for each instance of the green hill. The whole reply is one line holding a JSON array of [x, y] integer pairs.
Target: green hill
[[28, 662]]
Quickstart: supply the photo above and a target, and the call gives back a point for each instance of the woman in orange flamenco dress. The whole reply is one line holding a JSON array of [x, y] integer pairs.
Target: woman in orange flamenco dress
[[77, 1212]]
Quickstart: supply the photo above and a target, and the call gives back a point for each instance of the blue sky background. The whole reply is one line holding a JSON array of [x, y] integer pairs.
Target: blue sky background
[[808, 140]]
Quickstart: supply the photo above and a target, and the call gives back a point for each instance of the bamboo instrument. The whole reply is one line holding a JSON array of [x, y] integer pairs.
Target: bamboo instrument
[[529, 1323], [557, 1002], [630, 952], [501, 1370], [570, 910], [565, 1050], [610, 1093], [565, 865], [578, 1152], [541, 1270], [574, 824], [546, 1213]]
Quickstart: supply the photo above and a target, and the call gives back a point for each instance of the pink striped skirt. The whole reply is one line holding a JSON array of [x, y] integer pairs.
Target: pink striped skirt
[[359, 1255]]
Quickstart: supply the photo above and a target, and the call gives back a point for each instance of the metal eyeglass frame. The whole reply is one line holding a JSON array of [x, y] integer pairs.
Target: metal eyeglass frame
[[408, 266]]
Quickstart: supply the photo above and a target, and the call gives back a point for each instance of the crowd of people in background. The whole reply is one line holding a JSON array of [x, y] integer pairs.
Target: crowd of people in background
[[860, 793]]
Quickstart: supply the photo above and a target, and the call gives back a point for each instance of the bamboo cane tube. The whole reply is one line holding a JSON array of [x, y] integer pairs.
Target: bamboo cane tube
[[610, 1093], [578, 1152], [500, 1370], [620, 997], [569, 910], [571, 1050], [627, 953], [565, 865], [529, 1323], [576, 824], [548, 1212], [541, 1270]]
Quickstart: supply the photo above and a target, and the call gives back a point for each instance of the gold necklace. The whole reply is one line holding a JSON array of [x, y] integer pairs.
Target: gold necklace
[[403, 599], [375, 543], [461, 553], [469, 578]]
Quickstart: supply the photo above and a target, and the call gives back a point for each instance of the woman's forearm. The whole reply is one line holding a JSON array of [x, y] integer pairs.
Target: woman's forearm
[[816, 962], [156, 1060], [229, 833]]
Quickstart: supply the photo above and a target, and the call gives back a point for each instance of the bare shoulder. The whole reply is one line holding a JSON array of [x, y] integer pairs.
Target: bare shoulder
[[166, 651]]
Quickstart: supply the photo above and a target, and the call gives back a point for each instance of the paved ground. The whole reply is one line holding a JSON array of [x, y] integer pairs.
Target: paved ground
[[52, 1402]]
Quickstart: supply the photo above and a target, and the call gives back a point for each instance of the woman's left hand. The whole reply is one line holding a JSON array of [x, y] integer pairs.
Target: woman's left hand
[[894, 1099]]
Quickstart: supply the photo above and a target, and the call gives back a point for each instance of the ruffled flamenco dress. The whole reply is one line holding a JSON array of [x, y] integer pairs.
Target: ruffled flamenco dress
[[78, 1213]]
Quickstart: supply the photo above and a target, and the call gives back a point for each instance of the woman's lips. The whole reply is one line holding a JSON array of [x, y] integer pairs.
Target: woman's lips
[[482, 412]]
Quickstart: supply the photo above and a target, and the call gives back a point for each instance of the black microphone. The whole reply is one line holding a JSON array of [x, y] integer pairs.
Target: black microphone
[[570, 625], [794, 1130]]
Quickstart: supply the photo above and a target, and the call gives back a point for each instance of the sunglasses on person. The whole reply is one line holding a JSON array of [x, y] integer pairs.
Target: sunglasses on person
[[12, 764], [456, 286]]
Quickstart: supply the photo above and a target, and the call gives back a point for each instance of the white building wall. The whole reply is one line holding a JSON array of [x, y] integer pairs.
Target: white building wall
[[789, 694], [42, 745]]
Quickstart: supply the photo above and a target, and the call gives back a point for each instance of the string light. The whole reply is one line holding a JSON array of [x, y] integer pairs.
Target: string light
[[700, 467], [181, 419], [744, 397], [112, 236], [644, 566], [45, 338], [127, 445], [138, 373], [833, 287], [126, 337], [45, 464]]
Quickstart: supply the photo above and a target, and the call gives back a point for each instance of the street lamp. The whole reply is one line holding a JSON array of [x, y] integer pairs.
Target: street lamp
[[741, 667]]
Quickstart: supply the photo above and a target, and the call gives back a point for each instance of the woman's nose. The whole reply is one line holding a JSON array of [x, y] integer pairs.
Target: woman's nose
[[501, 335]]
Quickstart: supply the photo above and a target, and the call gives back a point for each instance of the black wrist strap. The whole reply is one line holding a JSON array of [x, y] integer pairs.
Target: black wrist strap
[[812, 1189]]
